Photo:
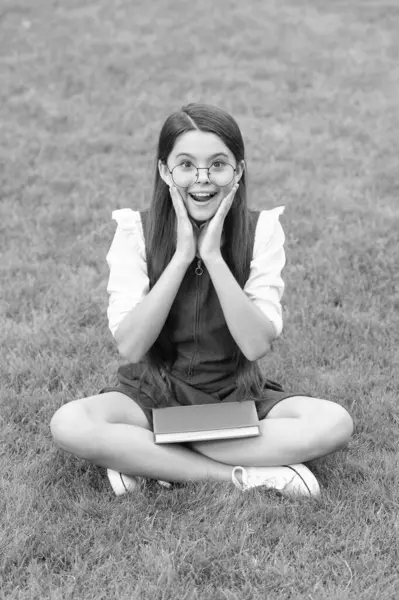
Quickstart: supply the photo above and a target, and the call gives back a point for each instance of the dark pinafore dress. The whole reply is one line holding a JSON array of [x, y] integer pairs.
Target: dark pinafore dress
[[205, 367]]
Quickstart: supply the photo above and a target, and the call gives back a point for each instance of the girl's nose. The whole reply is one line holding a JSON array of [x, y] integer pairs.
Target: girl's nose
[[203, 176]]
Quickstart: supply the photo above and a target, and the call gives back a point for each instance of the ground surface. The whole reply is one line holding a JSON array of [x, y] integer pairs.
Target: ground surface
[[84, 90]]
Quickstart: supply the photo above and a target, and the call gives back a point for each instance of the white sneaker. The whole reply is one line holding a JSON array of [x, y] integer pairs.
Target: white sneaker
[[289, 480], [121, 484]]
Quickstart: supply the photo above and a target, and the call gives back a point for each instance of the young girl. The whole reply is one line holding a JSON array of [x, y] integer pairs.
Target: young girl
[[195, 288]]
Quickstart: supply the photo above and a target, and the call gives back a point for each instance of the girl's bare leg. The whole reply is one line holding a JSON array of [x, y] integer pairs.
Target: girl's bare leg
[[111, 430], [296, 430]]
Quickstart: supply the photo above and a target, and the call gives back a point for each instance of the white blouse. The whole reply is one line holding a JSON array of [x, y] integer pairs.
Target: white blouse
[[128, 280]]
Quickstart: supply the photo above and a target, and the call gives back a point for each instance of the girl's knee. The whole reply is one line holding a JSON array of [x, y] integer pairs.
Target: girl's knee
[[339, 428], [347, 426], [70, 426]]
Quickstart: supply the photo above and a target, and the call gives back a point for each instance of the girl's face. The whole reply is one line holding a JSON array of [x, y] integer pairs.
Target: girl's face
[[201, 149]]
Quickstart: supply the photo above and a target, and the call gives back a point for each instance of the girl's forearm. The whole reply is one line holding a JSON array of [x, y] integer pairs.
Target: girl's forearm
[[141, 327], [250, 328]]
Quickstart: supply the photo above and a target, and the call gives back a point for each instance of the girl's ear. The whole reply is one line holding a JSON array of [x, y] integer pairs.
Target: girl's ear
[[239, 170], [164, 172]]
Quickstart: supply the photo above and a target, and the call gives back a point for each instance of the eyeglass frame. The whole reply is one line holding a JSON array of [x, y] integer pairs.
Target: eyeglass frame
[[198, 170]]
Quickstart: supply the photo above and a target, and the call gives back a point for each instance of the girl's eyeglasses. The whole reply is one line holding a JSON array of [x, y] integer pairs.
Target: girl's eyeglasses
[[186, 174]]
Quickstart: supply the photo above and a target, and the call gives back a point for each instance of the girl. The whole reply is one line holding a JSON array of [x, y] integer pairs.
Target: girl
[[195, 288]]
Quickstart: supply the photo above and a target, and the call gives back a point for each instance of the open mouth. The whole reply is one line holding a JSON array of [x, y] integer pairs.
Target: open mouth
[[202, 197]]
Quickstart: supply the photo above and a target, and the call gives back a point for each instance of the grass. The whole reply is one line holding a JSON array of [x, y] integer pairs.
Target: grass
[[84, 89]]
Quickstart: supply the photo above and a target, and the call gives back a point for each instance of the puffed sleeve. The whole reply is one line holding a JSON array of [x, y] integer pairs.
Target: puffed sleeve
[[265, 286], [128, 279]]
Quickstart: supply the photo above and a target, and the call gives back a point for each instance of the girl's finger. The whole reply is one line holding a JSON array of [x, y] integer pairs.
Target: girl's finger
[[178, 203], [227, 201], [176, 198], [232, 192]]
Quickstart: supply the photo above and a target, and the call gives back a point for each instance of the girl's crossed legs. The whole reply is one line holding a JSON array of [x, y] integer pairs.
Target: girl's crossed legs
[[112, 431]]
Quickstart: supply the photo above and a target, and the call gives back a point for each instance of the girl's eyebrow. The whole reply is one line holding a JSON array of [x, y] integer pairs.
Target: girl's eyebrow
[[211, 157]]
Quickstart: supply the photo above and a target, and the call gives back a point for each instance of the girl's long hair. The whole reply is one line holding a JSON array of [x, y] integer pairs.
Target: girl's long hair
[[160, 235]]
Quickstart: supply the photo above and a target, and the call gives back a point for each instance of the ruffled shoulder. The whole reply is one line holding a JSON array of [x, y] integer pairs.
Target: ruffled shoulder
[[126, 218], [268, 225], [129, 222]]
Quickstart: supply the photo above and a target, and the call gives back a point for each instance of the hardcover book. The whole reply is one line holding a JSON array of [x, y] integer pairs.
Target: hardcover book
[[222, 420]]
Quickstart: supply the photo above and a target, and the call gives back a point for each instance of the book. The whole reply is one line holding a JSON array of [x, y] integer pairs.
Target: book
[[221, 420]]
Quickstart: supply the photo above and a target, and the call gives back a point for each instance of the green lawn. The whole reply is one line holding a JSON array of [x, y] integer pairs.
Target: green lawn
[[84, 89]]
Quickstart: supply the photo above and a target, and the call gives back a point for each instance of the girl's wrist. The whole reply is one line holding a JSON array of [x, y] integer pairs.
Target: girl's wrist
[[181, 260], [215, 257]]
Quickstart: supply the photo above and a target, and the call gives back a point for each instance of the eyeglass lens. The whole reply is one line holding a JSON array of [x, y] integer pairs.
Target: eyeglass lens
[[185, 176]]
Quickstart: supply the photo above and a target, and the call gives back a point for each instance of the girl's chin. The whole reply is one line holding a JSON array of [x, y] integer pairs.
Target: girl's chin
[[202, 215]]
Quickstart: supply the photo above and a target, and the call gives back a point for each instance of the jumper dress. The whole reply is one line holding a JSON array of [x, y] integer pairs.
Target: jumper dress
[[205, 367]]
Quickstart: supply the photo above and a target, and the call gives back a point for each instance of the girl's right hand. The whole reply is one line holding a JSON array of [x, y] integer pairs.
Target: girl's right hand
[[186, 246]]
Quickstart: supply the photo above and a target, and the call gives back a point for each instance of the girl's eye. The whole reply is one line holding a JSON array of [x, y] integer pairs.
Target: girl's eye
[[186, 164], [218, 164]]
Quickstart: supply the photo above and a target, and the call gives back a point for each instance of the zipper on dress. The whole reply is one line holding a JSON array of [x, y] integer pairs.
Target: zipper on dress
[[190, 369], [199, 270]]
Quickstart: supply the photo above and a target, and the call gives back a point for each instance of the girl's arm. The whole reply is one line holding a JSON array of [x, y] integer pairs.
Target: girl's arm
[[250, 328], [137, 314], [141, 327], [253, 315]]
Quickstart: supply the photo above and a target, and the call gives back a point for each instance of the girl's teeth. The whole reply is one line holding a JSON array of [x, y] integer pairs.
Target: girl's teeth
[[202, 197]]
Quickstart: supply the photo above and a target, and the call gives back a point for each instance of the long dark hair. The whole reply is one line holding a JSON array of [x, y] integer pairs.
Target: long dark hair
[[161, 237]]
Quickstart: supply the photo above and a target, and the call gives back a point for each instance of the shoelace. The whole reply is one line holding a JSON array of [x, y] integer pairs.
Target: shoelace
[[165, 484], [278, 483], [124, 479]]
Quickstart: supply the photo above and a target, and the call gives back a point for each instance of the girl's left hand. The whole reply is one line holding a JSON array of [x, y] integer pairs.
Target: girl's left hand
[[210, 237]]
